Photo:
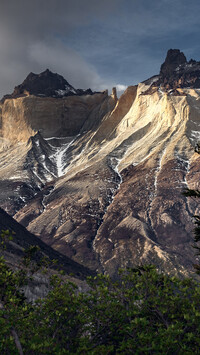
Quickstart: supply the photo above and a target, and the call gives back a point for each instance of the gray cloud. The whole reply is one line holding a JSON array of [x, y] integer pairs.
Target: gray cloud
[[93, 43], [29, 32], [69, 62]]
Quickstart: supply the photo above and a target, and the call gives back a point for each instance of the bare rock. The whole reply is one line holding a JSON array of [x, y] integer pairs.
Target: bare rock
[[102, 180]]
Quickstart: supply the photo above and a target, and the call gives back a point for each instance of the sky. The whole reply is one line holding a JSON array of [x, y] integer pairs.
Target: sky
[[94, 44]]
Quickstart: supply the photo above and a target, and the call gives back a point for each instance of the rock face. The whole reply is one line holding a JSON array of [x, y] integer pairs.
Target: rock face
[[23, 117], [45, 84], [108, 193], [174, 59], [176, 73], [47, 103]]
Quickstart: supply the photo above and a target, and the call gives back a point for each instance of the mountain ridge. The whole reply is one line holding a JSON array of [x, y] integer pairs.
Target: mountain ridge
[[46, 84], [23, 239], [175, 74], [116, 201]]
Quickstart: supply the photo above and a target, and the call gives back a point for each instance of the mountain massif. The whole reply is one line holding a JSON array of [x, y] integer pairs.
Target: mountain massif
[[100, 179]]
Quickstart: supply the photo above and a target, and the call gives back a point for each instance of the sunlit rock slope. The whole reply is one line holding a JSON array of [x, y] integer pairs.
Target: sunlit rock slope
[[103, 184]]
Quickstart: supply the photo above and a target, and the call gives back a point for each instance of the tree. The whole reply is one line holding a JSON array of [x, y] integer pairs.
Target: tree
[[195, 194], [142, 312]]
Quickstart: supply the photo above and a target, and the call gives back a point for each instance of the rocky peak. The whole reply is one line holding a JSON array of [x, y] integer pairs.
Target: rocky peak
[[173, 59], [46, 84], [114, 94], [175, 73]]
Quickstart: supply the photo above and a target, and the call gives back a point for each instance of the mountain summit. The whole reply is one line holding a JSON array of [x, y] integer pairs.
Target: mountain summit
[[46, 84], [174, 59], [176, 73]]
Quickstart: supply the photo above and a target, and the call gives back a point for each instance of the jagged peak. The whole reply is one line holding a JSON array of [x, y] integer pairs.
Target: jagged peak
[[46, 84], [175, 73], [173, 59]]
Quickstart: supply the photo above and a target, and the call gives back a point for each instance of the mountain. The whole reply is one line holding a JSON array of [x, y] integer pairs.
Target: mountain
[[45, 84], [176, 73], [23, 239], [100, 179]]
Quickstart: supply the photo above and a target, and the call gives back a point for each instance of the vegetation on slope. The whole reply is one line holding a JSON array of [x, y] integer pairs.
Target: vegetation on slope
[[143, 312]]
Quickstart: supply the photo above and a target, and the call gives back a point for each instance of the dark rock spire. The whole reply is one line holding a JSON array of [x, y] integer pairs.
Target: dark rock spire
[[173, 59]]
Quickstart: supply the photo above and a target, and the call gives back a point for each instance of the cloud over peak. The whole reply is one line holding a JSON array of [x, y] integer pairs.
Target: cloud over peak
[[93, 43]]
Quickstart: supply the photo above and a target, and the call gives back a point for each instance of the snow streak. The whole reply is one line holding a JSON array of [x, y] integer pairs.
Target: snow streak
[[157, 171], [114, 163], [58, 157]]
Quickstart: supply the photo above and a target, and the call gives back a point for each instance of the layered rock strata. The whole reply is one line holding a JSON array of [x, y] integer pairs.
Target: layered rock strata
[[110, 194]]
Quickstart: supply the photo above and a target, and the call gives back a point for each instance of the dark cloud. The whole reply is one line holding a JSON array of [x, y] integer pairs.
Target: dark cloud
[[29, 39], [69, 62], [94, 43]]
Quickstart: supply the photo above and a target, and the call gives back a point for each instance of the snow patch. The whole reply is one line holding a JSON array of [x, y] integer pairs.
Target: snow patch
[[184, 165], [36, 174], [161, 91], [57, 158], [114, 163], [51, 138], [196, 124], [65, 91], [195, 135], [157, 171], [37, 142]]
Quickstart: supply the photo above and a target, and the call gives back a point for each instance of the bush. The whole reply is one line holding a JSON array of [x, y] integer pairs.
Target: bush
[[143, 312]]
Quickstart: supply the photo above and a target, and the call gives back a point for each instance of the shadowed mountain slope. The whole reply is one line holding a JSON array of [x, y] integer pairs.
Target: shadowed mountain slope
[[23, 239]]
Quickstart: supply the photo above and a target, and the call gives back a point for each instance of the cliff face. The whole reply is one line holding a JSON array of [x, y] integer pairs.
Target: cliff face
[[108, 192], [176, 73], [23, 117], [47, 103]]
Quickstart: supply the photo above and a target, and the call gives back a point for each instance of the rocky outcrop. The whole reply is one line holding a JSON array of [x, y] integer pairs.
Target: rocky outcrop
[[110, 194], [176, 73], [46, 84], [174, 59]]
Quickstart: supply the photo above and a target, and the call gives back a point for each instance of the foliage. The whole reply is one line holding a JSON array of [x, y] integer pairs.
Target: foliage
[[195, 193], [142, 312]]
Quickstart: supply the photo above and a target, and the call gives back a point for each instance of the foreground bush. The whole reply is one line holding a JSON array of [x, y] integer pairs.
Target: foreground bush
[[144, 312]]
